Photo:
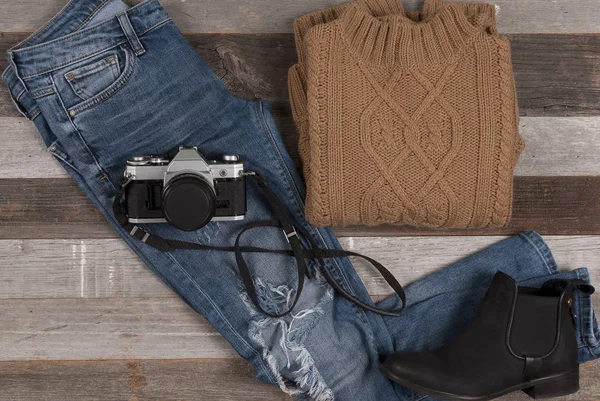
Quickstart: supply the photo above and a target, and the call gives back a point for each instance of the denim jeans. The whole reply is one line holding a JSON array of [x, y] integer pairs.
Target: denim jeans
[[103, 82]]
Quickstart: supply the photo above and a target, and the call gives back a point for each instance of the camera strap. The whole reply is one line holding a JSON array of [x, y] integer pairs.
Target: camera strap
[[292, 234]]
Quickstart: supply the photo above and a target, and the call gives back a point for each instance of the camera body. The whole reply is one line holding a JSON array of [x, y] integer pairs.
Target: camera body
[[186, 191]]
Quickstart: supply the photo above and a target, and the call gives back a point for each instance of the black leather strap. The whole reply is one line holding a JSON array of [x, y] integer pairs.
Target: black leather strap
[[283, 221], [569, 286]]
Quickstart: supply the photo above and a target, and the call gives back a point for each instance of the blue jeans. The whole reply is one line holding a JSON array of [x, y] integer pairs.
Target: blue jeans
[[103, 82]]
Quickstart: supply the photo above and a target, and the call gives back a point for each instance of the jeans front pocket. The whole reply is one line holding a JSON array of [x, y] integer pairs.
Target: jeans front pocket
[[90, 80], [96, 82]]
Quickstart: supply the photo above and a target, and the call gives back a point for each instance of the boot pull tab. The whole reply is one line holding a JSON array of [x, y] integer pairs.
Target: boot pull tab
[[585, 288], [559, 286]]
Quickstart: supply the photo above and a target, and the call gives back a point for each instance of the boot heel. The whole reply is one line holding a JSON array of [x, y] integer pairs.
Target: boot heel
[[563, 385]]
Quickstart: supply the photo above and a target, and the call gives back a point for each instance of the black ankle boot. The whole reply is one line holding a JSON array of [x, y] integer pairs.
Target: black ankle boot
[[521, 339]]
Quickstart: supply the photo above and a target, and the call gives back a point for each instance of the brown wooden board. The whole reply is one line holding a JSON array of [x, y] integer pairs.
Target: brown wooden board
[[556, 74], [56, 208], [173, 380], [165, 380]]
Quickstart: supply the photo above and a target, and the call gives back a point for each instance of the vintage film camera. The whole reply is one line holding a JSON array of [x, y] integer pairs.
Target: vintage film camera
[[187, 191]]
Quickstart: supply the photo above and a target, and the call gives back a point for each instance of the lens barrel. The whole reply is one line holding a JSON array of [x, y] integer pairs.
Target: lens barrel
[[189, 202]]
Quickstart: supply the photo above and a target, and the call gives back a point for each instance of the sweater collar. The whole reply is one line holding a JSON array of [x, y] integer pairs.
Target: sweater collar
[[409, 39], [380, 8]]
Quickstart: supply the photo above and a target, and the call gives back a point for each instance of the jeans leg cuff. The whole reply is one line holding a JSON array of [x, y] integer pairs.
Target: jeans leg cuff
[[535, 240], [587, 325]]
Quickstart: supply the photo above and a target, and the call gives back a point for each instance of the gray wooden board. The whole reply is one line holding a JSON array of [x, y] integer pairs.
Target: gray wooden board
[[174, 380], [106, 328], [555, 146], [149, 321], [556, 75], [107, 268], [109, 328], [530, 16]]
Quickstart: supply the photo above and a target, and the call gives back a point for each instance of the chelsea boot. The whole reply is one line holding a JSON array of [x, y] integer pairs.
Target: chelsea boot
[[521, 339]]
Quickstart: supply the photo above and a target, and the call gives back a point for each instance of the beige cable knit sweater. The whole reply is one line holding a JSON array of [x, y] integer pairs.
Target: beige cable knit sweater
[[405, 118]]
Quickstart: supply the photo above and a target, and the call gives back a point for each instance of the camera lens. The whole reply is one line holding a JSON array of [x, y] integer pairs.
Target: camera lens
[[188, 202]]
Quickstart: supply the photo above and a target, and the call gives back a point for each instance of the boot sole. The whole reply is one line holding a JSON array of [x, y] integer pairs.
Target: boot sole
[[547, 387]]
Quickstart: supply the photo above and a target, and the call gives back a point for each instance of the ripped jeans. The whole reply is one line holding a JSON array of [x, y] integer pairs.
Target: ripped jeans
[[103, 82]]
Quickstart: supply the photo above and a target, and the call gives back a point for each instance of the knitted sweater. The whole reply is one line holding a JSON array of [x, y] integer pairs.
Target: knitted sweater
[[405, 118]]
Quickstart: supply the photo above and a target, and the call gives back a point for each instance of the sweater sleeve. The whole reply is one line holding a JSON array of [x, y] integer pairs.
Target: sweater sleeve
[[303, 24], [297, 75]]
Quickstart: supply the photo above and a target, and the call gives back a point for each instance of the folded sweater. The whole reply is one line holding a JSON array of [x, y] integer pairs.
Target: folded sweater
[[405, 118]]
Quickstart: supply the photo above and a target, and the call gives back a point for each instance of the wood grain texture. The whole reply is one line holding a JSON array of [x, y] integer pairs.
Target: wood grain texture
[[556, 146], [556, 79], [109, 269], [57, 208], [530, 16], [556, 75], [135, 380], [106, 328], [174, 380]]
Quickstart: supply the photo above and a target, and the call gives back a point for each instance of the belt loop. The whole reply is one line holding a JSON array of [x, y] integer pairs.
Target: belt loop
[[132, 36]]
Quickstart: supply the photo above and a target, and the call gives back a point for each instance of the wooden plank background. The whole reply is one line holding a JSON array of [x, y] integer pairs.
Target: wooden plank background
[[260, 16], [82, 318]]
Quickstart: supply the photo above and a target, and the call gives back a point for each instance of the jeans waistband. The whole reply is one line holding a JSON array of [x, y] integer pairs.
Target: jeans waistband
[[62, 42]]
